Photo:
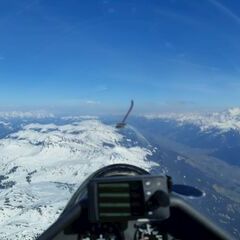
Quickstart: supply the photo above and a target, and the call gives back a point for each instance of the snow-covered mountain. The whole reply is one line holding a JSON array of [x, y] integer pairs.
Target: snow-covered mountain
[[43, 164], [224, 121], [43, 159]]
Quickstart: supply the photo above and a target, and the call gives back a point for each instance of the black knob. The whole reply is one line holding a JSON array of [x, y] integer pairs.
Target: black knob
[[158, 199]]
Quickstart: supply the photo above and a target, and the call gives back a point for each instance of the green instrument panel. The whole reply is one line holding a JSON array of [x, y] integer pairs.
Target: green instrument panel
[[123, 200]]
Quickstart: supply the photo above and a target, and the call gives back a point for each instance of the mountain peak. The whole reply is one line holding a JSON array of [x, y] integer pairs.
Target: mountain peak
[[235, 112]]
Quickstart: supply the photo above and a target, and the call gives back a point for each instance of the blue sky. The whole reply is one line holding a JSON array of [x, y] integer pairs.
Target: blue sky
[[166, 55]]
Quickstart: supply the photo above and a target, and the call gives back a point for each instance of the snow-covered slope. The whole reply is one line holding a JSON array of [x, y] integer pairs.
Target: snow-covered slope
[[43, 164], [224, 121], [4, 124]]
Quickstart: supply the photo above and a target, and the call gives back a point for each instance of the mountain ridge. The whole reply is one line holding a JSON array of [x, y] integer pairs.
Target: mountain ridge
[[223, 121]]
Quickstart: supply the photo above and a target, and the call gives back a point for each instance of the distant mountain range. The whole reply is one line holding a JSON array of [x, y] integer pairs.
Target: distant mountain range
[[24, 114], [224, 121], [218, 132]]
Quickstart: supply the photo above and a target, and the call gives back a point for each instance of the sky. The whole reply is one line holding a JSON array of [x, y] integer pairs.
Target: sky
[[98, 55]]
